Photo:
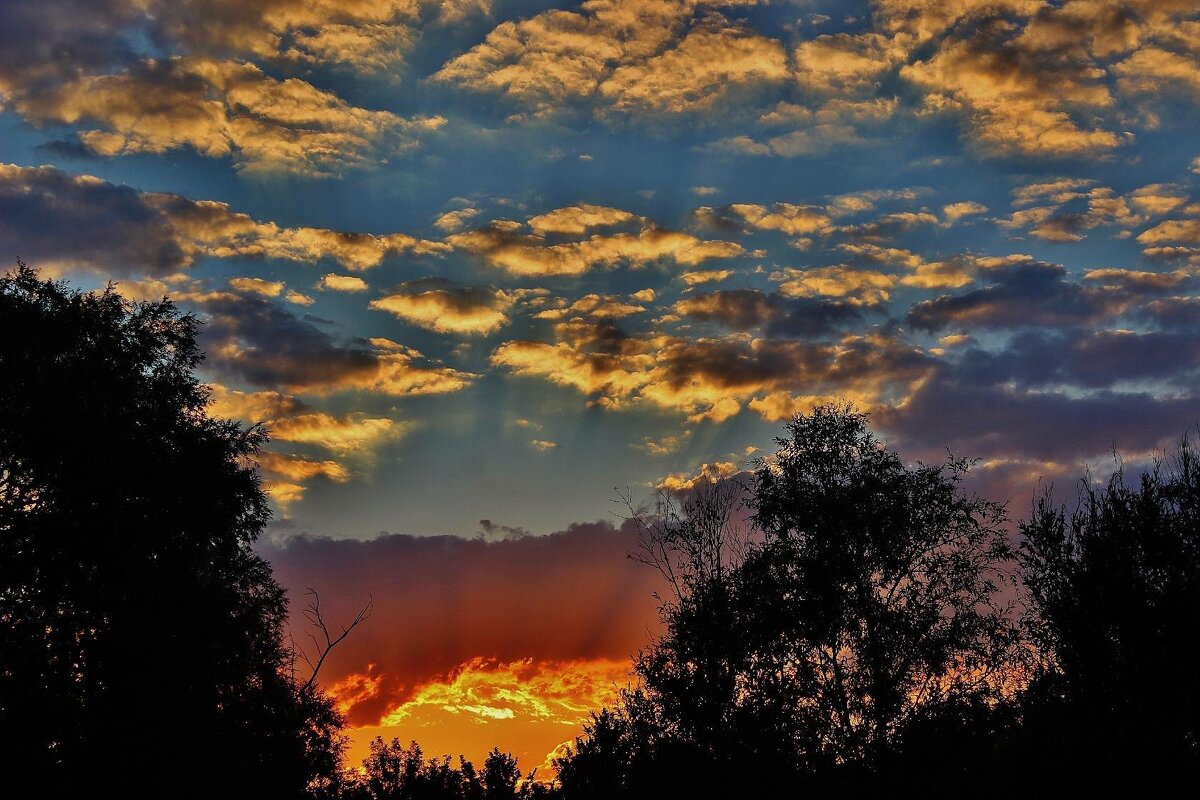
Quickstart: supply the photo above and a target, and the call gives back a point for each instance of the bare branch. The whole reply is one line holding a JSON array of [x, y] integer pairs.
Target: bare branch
[[312, 613]]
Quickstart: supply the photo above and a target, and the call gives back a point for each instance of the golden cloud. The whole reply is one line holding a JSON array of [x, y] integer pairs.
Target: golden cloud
[[342, 283], [654, 56], [501, 246], [790, 219], [1014, 106], [710, 378], [705, 276], [223, 109], [448, 308], [578, 219], [861, 286], [291, 420], [297, 468], [953, 212]]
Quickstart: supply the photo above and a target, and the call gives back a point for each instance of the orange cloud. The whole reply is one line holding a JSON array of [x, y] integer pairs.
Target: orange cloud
[[529, 706]]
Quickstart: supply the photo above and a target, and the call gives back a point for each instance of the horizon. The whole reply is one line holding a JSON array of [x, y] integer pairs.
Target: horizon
[[480, 264]]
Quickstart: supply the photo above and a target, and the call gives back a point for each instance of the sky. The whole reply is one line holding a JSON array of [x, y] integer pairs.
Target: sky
[[478, 264]]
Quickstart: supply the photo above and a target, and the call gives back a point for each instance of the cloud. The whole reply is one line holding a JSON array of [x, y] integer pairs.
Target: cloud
[[953, 212], [1153, 70], [1059, 191], [597, 306], [790, 219], [455, 220], [441, 306], [1023, 293], [267, 345], [292, 468], [665, 445], [841, 63], [222, 109], [709, 472], [709, 378], [368, 35], [694, 75], [702, 276], [578, 219], [350, 437], [860, 286], [776, 313], [1016, 103], [502, 245], [1013, 423], [61, 221], [1174, 230], [627, 56], [1092, 359], [341, 283], [289, 419], [257, 286]]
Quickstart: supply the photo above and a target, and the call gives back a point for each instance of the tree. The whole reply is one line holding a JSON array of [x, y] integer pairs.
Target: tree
[[878, 588], [394, 771], [1114, 589], [140, 635], [865, 601]]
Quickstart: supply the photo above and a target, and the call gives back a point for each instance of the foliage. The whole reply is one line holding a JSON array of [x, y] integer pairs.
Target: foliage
[[1114, 588], [394, 771], [140, 635], [866, 599]]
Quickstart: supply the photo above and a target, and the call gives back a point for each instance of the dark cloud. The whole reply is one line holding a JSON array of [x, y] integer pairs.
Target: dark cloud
[[746, 309], [53, 219], [262, 342], [1093, 359], [994, 422], [1172, 313], [49, 40], [1023, 294]]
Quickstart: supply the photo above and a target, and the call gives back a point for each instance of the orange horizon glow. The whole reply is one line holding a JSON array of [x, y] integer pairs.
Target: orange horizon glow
[[531, 708]]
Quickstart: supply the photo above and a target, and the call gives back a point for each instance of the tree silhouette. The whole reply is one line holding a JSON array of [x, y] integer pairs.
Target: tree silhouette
[[1114, 589], [884, 582], [140, 635], [865, 601], [395, 771]]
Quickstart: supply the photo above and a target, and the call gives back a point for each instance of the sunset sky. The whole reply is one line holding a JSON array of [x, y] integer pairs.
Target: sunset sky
[[477, 262]]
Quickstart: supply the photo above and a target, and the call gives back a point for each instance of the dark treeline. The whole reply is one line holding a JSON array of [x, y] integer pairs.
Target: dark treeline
[[840, 622]]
